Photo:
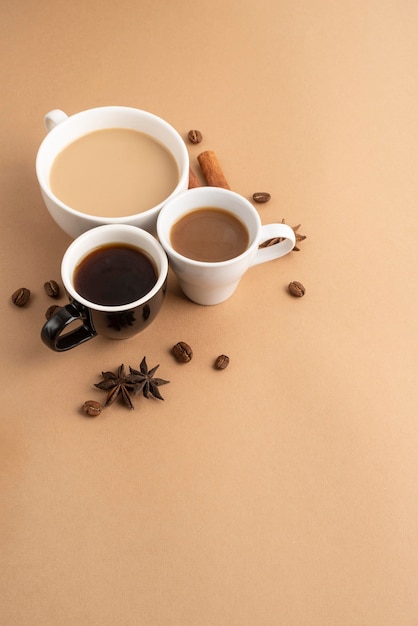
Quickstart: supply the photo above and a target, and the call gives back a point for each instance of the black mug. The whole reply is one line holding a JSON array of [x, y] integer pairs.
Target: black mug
[[115, 321]]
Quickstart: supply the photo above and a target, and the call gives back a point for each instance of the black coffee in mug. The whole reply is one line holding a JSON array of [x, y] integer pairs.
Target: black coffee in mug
[[114, 275]]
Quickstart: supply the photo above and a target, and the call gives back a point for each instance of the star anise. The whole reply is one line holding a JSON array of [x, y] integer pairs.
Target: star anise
[[274, 240], [145, 381], [120, 320], [117, 385]]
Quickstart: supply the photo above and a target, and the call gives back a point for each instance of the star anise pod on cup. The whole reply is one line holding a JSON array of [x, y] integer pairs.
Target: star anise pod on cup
[[298, 236], [117, 384], [145, 381], [274, 240]]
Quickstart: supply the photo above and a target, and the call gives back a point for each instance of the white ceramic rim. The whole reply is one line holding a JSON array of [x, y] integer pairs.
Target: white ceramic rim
[[218, 193], [117, 234], [182, 162]]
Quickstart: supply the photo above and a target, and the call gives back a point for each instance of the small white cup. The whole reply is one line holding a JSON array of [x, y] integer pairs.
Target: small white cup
[[211, 283], [63, 130]]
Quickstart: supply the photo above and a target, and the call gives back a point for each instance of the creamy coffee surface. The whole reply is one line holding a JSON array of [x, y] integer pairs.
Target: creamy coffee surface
[[114, 172], [209, 234]]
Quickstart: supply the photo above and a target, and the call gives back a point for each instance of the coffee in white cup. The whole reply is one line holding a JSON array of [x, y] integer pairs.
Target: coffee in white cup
[[211, 279]]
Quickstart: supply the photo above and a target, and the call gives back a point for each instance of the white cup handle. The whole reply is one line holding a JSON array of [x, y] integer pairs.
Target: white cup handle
[[53, 118], [270, 231]]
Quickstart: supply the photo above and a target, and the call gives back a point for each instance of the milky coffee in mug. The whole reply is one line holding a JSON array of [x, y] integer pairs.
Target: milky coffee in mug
[[209, 234], [113, 172], [118, 165]]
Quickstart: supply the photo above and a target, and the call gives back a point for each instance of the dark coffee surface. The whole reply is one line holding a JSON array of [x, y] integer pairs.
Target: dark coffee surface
[[115, 275], [209, 234]]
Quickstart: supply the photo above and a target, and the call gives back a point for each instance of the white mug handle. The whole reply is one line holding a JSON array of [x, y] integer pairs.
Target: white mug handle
[[53, 118], [270, 231]]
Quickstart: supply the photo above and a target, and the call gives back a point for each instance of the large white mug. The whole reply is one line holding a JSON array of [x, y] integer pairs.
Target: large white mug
[[213, 282], [64, 130]]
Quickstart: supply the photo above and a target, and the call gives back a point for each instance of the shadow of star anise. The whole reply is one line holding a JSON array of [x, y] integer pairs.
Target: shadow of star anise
[[117, 385], [145, 381]]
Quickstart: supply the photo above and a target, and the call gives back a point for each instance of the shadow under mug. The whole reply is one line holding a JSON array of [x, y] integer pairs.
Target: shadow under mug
[[81, 320]]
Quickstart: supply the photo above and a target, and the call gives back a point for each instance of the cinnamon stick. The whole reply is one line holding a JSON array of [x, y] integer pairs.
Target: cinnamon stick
[[212, 170], [193, 179]]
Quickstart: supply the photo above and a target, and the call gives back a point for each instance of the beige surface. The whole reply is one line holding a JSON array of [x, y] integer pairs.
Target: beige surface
[[283, 490]]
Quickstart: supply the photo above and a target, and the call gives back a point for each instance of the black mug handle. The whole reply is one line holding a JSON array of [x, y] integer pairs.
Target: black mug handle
[[52, 329]]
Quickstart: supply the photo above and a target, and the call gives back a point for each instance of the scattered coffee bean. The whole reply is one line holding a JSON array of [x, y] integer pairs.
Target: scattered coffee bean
[[195, 136], [221, 362], [21, 296], [261, 196], [296, 289], [182, 352], [91, 408], [52, 289], [51, 311]]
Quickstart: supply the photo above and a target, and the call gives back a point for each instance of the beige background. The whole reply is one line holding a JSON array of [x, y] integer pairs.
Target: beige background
[[283, 490]]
